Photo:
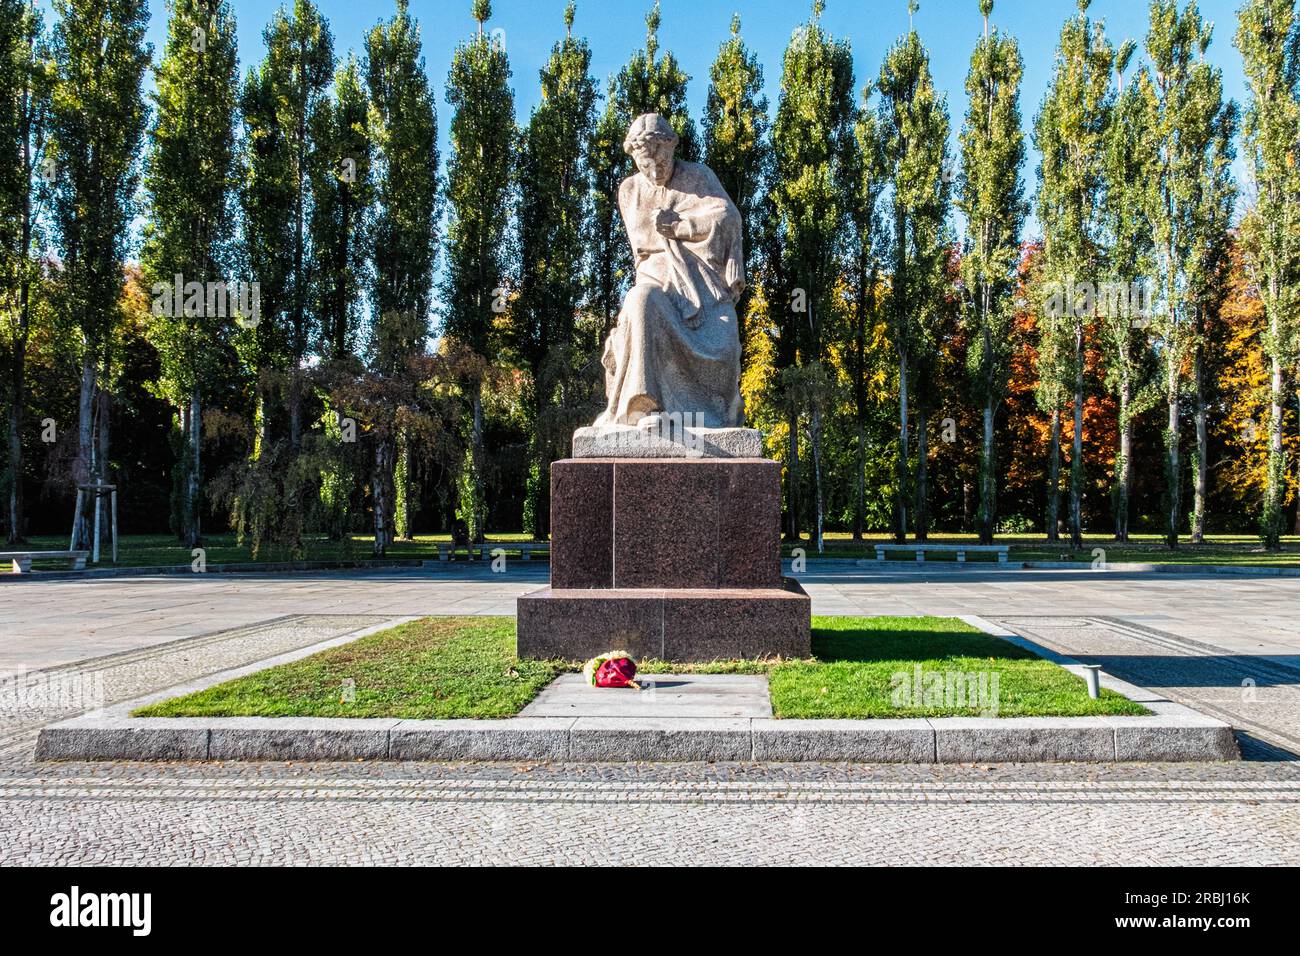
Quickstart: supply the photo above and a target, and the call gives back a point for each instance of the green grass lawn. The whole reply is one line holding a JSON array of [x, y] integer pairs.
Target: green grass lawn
[[445, 667]]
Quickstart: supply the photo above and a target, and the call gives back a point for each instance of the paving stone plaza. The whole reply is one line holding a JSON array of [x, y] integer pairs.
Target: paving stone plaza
[[1227, 645]]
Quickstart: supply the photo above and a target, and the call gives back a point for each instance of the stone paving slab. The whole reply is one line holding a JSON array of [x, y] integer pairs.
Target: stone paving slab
[[661, 695]]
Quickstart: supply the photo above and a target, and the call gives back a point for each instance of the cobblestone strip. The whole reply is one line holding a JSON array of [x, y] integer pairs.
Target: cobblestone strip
[[479, 791], [544, 831]]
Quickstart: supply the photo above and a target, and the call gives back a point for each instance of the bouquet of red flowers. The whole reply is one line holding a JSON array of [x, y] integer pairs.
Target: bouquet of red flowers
[[611, 669]]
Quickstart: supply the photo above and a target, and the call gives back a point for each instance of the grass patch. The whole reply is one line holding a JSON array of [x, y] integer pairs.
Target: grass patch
[[855, 660], [438, 667], [446, 667]]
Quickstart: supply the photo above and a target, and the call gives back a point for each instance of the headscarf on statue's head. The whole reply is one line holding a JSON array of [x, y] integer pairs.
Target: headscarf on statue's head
[[651, 142], [645, 130]]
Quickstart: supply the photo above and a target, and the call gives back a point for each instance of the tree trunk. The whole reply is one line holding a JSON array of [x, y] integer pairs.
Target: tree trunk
[[1076, 457], [1123, 465], [859, 481], [17, 399], [922, 521], [792, 479], [85, 439], [182, 528], [988, 478], [1296, 527], [193, 501], [404, 492], [1054, 480], [381, 483], [295, 408], [816, 435], [904, 457], [1202, 450], [1173, 477], [102, 473], [1276, 492], [479, 455]]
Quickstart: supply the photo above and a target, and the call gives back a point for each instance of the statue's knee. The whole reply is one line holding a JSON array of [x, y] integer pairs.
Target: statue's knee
[[641, 306]]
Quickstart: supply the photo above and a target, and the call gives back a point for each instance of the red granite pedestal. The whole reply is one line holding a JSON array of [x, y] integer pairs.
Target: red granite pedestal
[[677, 559]]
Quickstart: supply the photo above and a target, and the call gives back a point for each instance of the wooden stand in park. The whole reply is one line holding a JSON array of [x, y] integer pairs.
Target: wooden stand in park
[[99, 490]]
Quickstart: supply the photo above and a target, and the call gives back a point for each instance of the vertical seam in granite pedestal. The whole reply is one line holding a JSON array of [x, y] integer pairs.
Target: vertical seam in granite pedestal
[[663, 626], [613, 525], [718, 499]]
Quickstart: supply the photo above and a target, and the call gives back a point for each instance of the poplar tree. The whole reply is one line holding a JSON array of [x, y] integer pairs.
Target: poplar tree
[[655, 83], [98, 118], [913, 119], [866, 184], [340, 182], [648, 83], [1126, 227], [813, 143], [736, 145], [991, 196], [610, 259], [1193, 129], [404, 125], [1268, 36], [293, 81], [1070, 135], [479, 181], [553, 227], [25, 80], [189, 173]]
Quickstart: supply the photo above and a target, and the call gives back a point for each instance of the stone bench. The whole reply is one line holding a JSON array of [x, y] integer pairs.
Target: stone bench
[[447, 552], [22, 560], [1001, 550]]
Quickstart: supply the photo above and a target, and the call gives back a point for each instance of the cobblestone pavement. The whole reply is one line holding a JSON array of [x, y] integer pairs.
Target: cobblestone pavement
[[670, 814]]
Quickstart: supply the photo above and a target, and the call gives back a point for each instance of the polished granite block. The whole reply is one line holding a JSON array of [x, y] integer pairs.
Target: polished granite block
[[669, 624], [733, 623], [668, 523], [582, 524]]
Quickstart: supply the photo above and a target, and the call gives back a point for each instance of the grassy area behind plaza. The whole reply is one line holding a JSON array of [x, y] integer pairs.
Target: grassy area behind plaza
[[447, 667], [139, 551]]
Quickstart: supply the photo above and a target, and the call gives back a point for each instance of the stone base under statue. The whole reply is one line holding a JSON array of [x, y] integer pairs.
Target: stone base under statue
[[668, 625], [673, 558], [667, 440]]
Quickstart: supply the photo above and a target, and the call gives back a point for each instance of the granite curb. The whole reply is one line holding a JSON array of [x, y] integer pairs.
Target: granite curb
[[598, 739], [1173, 732]]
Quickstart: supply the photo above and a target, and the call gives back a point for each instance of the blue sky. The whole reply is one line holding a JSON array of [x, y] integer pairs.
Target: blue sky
[[693, 29]]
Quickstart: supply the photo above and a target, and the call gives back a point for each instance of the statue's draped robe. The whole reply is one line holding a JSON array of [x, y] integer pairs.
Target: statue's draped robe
[[677, 347]]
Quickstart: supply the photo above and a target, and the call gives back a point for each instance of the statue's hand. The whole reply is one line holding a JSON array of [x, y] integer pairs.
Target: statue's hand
[[666, 221]]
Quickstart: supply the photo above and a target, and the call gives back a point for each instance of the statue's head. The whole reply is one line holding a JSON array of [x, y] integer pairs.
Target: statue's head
[[650, 142]]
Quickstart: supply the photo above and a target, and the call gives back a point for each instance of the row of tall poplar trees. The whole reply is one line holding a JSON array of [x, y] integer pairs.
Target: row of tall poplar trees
[[318, 178]]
